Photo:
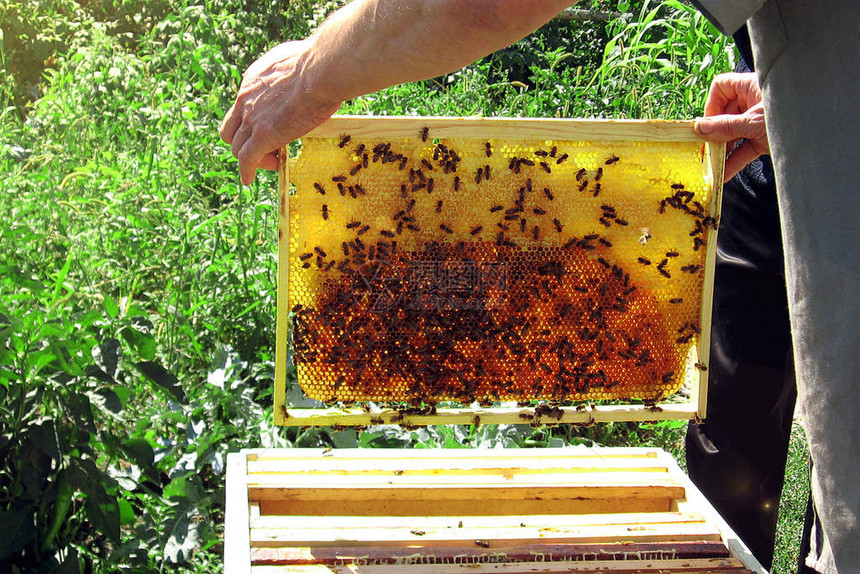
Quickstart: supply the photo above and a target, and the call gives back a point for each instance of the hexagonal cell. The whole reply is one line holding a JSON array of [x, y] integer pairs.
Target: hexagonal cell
[[563, 270]]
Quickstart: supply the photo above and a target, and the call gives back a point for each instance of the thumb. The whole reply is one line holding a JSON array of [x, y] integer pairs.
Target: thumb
[[726, 128]]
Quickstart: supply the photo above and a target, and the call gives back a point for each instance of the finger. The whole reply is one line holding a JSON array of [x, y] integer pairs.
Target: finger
[[230, 124], [741, 157], [249, 156], [242, 135], [269, 161], [732, 93], [726, 127], [718, 99]]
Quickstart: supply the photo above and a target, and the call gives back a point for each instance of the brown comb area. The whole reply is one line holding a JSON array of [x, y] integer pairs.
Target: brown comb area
[[472, 270]]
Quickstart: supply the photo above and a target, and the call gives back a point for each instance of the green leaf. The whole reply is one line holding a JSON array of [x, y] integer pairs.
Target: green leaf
[[161, 377], [101, 508], [17, 529], [138, 334], [111, 308], [556, 442], [139, 452], [184, 536], [34, 467], [127, 515], [108, 400], [44, 436], [123, 394], [60, 279], [79, 409], [103, 511], [108, 356], [183, 489]]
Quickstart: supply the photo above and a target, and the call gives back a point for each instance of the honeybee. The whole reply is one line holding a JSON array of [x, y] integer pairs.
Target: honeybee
[[319, 188], [487, 149], [344, 140], [325, 212], [425, 133], [613, 159]]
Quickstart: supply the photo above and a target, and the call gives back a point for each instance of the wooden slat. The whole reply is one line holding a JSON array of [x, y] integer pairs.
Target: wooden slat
[[716, 153], [444, 454], [702, 565], [500, 415], [495, 537], [476, 521], [326, 466], [237, 533], [429, 491], [468, 506], [282, 322], [545, 551], [389, 127], [450, 460], [392, 480]]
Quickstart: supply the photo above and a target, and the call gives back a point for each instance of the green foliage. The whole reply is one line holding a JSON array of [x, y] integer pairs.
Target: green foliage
[[789, 528]]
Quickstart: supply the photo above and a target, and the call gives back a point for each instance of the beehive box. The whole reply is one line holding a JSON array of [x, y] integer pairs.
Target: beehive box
[[433, 260], [377, 511]]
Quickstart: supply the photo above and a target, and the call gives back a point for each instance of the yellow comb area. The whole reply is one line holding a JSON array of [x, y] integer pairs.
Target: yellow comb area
[[471, 270]]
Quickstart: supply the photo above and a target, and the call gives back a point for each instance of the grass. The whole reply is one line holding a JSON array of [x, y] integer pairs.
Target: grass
[[137, 276], [792, 505]]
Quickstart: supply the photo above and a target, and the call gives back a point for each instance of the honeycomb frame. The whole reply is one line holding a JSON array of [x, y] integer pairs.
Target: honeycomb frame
[[507, 141]]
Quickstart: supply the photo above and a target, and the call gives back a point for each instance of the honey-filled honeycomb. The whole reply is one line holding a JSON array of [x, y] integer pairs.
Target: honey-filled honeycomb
[[466, 269]]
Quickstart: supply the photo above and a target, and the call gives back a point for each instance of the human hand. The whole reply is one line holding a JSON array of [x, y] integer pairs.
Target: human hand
[[276, 104], [734, 114]]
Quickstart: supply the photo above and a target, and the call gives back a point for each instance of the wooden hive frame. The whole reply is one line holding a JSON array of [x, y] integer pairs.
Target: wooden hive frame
[[501, 128], [381, 511]]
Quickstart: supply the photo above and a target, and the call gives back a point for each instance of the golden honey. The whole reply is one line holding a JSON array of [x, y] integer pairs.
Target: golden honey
[[467, 269]]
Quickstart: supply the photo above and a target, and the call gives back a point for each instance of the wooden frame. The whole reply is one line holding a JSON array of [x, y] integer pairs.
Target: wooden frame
[[382, 511], [502, 128]]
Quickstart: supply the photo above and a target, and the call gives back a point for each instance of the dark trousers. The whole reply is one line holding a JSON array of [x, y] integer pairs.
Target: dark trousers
[[737, 456]]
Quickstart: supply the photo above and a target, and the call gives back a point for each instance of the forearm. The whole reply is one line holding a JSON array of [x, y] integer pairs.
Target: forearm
[[371, 44]]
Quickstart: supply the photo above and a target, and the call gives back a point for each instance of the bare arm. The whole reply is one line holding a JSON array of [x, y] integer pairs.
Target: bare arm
[[364, 47]]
